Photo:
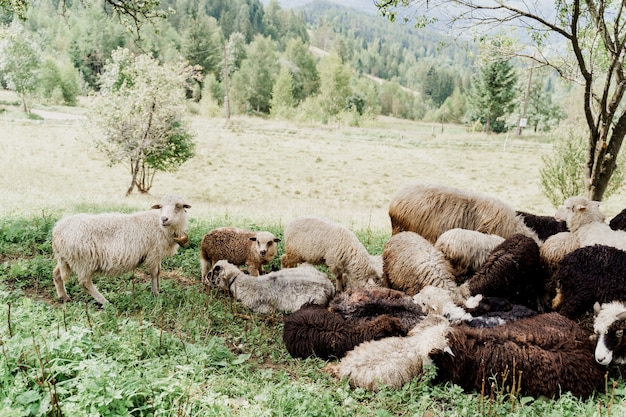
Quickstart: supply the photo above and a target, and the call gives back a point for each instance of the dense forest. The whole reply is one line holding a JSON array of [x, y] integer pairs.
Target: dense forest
[[320, 61]]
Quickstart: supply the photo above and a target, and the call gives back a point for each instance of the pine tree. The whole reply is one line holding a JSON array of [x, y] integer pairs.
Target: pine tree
[[492, 94]]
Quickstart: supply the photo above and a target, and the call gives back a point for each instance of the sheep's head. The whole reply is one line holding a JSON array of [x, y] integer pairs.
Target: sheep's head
[[609, 325], [265, 245], [222, 275], [173, 212], [577, 211]]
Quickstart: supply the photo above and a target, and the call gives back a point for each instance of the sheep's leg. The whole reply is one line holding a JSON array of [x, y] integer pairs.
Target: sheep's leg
[[205, 264], [340, 282], [154, 274], [60, 275], [253, 271], [85, 281]]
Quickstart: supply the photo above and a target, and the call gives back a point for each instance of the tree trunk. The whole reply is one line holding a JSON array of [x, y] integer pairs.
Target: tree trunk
[[602, 158], [134, 170]]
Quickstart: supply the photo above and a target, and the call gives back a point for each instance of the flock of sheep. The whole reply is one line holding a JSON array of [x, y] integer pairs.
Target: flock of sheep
[[489, 295]]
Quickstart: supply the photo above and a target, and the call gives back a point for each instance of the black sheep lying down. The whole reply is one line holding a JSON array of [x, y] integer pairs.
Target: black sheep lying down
[[548, 355], [313, 330]]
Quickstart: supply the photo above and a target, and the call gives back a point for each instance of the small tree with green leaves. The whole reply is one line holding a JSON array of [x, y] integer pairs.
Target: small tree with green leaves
[[139, 113], [283, 102], [19, 62], [563, 173]]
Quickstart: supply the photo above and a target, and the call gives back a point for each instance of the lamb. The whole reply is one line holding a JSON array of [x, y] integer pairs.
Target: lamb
[[430, 210], [393, 361], [609, 325], [466, 250], [284, 290], [587, 221], [512, 271], [545, 355], [587, 275], [544, 226], [410, 262], [313, 330], [369, 303], [318, 240], [238, 246], [116, 243]]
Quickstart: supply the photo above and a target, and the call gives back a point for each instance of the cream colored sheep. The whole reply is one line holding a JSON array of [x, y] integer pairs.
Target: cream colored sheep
[[466, 250], [238, 246], [318, 240], [430, 210], [585, 219], [116, 243], [285, 290], [393, 361], [410, 263]]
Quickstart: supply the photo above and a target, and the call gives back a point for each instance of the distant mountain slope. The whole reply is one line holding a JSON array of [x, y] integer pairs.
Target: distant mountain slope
[[365, 6]]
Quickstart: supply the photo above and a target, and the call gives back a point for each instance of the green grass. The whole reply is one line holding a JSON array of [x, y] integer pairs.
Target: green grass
[[190, 352]]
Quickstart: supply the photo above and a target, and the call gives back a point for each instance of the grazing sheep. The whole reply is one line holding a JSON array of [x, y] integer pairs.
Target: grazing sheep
[[587, 221], [545, 355], [369, 303], [285, 290], [317, 240], [544, 226], [512, 271], [116, 243], [466, 250], [313, 330], [609, 325], [411, 262], [239, 247], [393, 361], [619, 221], [430, 210], [588, 275]]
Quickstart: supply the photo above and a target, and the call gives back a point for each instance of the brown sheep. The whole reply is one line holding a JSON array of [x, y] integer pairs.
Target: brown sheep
[[239, 247]]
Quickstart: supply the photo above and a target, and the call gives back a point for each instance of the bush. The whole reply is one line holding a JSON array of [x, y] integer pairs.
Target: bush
[[563, 174]]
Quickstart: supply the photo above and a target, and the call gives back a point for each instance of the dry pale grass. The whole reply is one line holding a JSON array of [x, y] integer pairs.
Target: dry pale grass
[[265, 170]]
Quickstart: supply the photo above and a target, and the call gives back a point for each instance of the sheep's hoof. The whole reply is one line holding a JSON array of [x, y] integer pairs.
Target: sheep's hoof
[[65, 299]]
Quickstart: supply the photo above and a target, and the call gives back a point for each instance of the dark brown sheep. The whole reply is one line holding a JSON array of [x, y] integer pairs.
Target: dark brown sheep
[[547, 355], [512, 271], [313, 330], [544, 226], [368, 303]]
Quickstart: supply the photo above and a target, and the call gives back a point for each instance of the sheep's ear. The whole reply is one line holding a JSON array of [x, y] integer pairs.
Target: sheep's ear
[[596, 308], [621, 316], [156, 206]]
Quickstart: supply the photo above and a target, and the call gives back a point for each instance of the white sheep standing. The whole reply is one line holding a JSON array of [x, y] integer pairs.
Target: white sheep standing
[[585, 219], [116, 243], [466, 250], [285, 290], [410, 263], [318, 240], [431, 209], [238, 246]]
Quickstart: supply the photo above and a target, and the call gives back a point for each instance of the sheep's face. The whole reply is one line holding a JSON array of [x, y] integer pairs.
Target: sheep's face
[[172, 211], [609, 325], [579, 210], [265, 243], [219, 276]]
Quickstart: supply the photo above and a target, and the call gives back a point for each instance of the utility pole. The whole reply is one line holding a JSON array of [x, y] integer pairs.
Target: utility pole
[[523, 120]]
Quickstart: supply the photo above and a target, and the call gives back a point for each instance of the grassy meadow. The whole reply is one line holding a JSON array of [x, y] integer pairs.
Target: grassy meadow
[[191, 352]]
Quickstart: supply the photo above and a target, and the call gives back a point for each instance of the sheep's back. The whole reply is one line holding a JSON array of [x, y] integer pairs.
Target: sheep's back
[[552, 353], [111, 243], [229, 243]]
